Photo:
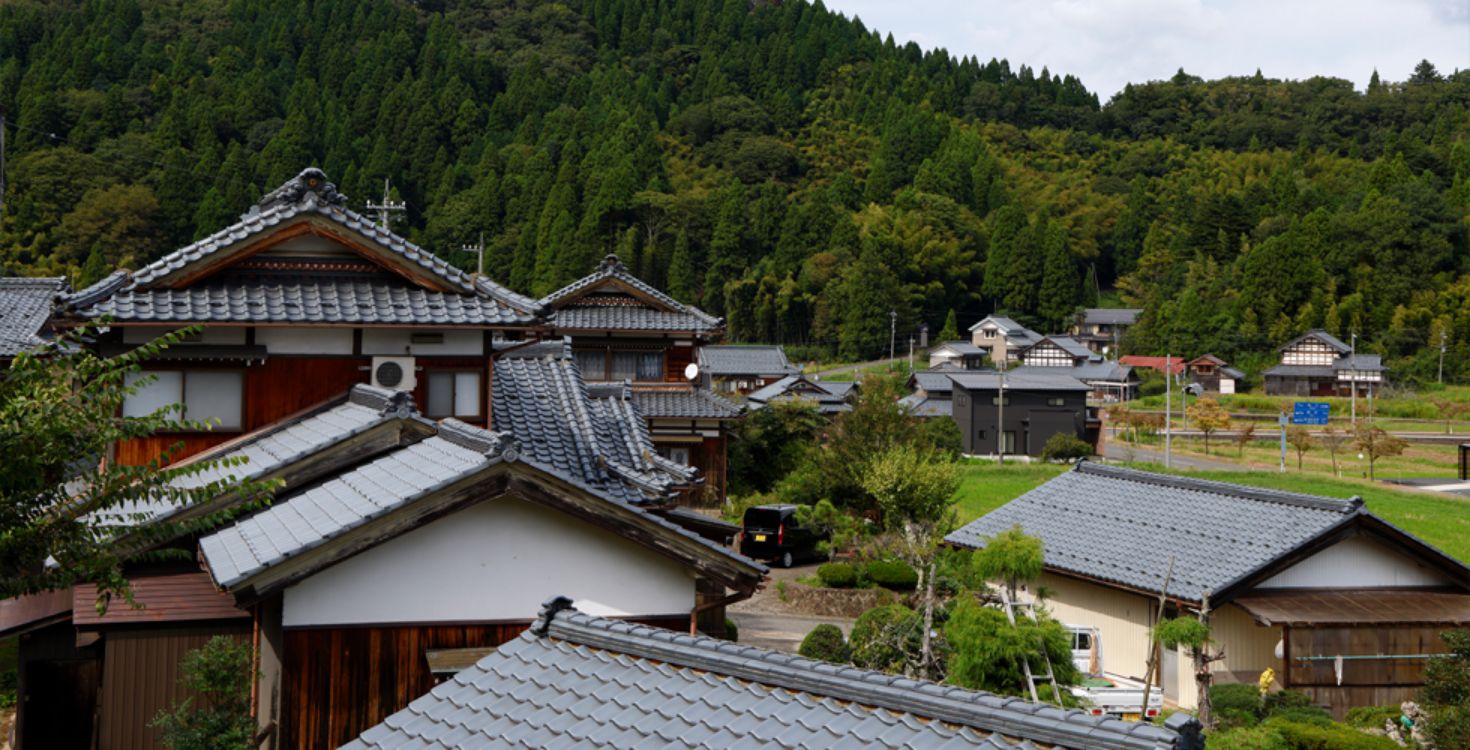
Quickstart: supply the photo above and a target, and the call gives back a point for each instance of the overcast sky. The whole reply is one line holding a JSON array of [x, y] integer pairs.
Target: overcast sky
[[1108, 43]]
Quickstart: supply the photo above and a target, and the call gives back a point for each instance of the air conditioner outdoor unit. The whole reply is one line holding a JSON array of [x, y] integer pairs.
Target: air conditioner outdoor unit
[[395, 373]]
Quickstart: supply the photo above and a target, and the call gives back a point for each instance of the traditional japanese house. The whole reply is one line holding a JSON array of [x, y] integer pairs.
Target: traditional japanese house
[[830, 397], [25, 313], [1214, 374], [1101, 329], [1110, 380], [622, 329], [299, 300], [933, 391], [1001, 338], [1317, 363], [962, 354], [742, 368], [1337, 602]]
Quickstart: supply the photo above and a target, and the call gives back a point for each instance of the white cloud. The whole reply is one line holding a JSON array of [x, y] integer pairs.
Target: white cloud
[[1109, 43]]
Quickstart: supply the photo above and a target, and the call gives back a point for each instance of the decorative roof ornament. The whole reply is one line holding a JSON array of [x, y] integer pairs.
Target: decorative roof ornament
[[311, 183], [611, 263]]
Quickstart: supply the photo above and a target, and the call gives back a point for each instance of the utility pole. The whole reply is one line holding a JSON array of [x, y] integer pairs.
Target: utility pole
[[1168, 411], [911, 353], [388, 207], [1354, 376], [892, 332], [2, 200], [1000, 418], [479, 250]]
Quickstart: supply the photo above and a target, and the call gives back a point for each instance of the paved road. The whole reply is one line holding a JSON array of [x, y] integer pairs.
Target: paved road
[[780, 632]]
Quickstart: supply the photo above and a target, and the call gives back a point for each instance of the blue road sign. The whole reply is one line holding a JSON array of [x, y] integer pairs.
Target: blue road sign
[[1309, 412]]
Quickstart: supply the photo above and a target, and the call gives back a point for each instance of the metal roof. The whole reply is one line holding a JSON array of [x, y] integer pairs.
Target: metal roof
[[25, 306], [745, 360], [684, 402], [1124, 525], [575, 681], [1022, 379], [1110, 316], [575, 309], [1356, 608], [127, 295], [936, 380]]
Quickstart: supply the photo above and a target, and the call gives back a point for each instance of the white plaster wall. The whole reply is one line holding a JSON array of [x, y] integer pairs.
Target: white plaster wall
[[397, 342], [1360, 562], [305, 340], [498, 560]]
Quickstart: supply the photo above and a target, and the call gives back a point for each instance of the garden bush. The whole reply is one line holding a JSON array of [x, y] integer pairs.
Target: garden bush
[[1284, 699], [882, 635], [838, 575], [1247, 738], [893, 574], [1065, 447], [1300, 736], [1303, 715], [825, 643], [1372, 717], [1236, 705], [732, 631]]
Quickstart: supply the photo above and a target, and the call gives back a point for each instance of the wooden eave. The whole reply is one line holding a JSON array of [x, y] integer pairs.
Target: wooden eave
[[497, 480]]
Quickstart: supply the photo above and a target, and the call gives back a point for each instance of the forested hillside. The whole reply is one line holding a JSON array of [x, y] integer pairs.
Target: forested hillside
[[777, 164]]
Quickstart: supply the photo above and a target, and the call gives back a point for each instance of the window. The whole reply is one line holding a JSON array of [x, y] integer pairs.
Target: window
[[1009, 438], [995, 400], [1056, 401], [453, 394], [677, 454], [214, 396], [650, 365], [592, 363], [989, 333], [1082, 641], [625, 365]]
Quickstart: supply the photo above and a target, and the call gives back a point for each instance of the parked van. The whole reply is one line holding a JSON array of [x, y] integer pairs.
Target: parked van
[[771, 532]]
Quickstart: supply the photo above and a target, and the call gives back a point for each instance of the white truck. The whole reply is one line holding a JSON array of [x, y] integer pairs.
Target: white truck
[[1106, 693]]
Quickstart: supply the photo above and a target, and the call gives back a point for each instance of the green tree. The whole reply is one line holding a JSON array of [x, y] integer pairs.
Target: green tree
[[1209, 417], [951, 329], [217, 715], [1058, 296], [1011, 558], [1446, 692], [1376, 443], [911, 485], [987, 652]]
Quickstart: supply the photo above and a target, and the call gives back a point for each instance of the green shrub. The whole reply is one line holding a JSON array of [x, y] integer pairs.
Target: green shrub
[[883, 635], [1304, 715], [732, 631], [1449, 726], [1284, 699], [838, 575], [1301, 736], [1236, 705], [893, 574], [1064, 447], [217, 716], [1247, 738], [825, 643], [1372, 717]]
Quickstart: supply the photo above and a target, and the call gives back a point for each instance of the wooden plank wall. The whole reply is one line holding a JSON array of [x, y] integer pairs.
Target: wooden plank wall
[[140, 677], [1373, 682], [676, 358], [339, 682]]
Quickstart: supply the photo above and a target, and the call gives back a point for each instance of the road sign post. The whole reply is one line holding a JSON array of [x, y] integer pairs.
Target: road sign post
[[1310, 412], [1283, 421]]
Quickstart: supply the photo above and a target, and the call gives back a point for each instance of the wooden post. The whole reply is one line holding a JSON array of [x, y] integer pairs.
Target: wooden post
[[1154, 646]]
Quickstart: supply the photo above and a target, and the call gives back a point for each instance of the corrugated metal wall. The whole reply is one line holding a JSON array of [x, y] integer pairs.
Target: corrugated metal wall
[[1123, 618], [140, 677]]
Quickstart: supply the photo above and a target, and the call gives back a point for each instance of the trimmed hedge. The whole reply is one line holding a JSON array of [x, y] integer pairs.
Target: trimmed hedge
[[825, 643], [1247, 738], [838, 575], [1236, 704], [1301, 736], [893, 574]]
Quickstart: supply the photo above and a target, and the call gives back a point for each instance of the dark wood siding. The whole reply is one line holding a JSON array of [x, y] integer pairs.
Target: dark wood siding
[[676, 358], [339, 682], [140, 677], [1365, 682]]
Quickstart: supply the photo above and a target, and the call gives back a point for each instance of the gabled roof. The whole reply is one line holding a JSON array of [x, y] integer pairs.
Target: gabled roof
[[309, 530], [612, 298], [403, 284], [930, 406], [576, 681], [1110, 316], [1207, 359], [1065, 343], [936, 379], [539, 397], [962, 348], [1092, 371], [1006, 325], [1175, 364], [25, 307], [679, 401], [744, 359], [1317, 333], [831, 396], [1122, 526]]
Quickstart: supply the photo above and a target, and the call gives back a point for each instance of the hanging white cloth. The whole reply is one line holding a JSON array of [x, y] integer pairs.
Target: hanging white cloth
[[1337, 669]]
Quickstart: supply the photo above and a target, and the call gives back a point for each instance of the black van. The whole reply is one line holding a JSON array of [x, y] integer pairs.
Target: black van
[[770, 532]]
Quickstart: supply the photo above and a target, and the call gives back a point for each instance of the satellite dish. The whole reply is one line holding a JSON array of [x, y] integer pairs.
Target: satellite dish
[[691, 371]]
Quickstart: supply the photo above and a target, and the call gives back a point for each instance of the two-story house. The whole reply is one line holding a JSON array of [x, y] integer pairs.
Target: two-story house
[[962, 354], [1317, 363], [1214, 374], [1037, 405], [1001, 338], [623, 329], [1109, 380], [742, 368], [1102, 329]]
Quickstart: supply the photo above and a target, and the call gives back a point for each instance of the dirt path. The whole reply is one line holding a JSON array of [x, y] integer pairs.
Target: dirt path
[[766, 621]]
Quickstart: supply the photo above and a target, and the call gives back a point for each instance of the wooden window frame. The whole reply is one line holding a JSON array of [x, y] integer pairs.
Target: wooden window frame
[[453, 390], [184, 388]]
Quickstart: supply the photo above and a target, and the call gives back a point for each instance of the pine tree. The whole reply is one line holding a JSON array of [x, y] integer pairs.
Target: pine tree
[[951, 329], [1057, 299]]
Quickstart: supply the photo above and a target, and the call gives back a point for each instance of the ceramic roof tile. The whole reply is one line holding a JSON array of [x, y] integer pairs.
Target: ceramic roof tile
[[25, 307], [684, 402], [1124, 525], [577, 308], [1110, 316], [575, 681], [720, 361]]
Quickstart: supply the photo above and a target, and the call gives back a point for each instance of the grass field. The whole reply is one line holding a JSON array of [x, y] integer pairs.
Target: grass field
[[1406, 410], [1418, 459], [1441, 520]]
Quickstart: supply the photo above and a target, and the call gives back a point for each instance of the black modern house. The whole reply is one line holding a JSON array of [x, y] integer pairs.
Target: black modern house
[[1037, 406]]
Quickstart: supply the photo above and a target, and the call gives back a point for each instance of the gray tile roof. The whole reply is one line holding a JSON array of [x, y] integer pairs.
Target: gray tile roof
[[1123, 525], [539, 396], [299, 298], [1300, 371], [831, 396], [727, 361], [574, 681], [625, 441], [962, 348], [1110, 316], [25, 306], [1321, 335], [1018, 334], [1362, 362], [1093, 371], [1022, 379], [684, 402], [578, 306], [309, 194], [927, 407], [307, 519]]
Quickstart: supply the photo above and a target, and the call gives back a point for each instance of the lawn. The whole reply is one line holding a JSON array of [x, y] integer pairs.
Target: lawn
[[1418, 459], [1441, 520], [1405, 410]]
